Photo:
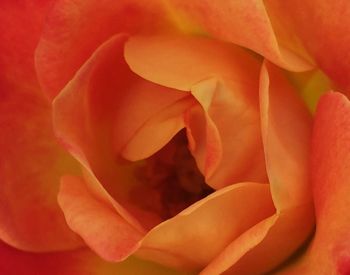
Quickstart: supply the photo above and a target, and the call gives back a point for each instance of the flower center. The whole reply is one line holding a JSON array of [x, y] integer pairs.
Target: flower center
[[171, 179]]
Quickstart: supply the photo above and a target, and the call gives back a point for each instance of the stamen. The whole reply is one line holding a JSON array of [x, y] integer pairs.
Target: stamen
[[172, 177]]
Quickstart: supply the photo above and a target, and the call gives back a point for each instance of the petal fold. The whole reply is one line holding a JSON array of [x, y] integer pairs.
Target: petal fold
[[250, 27]]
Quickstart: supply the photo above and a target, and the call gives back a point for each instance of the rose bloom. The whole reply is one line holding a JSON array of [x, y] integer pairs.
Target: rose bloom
[[174, 137]]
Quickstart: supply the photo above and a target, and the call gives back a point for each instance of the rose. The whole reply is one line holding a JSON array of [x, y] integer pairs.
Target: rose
[[76, 195], [81, 204], [72, 197]]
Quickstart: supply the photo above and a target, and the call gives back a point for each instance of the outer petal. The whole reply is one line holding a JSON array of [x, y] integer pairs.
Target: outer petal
[[77, 262], [224, 86], [323, 31], [20, 28], [31, 161], [330, 179], [285, 124], [97, 223], [74, 29], [210, 223], [247, 24]]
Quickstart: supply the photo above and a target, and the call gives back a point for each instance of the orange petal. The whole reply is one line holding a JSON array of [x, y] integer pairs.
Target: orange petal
[[211, 223], [266, 245], [249, 27], [323, 34], [286, 137], [286, 131], [225, 86], [74, 30], [76, 262], [31, 161], [101, 227], [330, 181]]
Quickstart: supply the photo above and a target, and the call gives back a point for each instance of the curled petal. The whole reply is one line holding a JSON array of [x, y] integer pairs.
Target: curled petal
[[211, 223], [248, 24]]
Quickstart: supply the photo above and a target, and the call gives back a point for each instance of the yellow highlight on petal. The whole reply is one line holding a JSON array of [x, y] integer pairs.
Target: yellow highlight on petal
[[182, 22], [311, 85]]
